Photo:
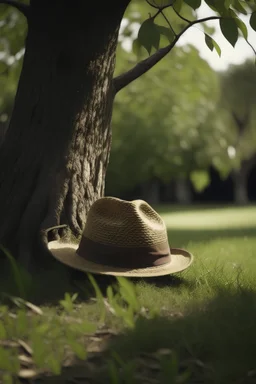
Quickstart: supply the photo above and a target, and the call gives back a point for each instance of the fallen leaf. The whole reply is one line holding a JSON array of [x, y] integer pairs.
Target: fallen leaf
[[9, 343], [163, 351], [25, 346], [28, 373], [25, 359], [34, 308]]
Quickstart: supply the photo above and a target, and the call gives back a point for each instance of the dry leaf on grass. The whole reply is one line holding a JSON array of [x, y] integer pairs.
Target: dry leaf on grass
[[25, 346], [9, 343], [28, 373], [25, 360], [34, 308]]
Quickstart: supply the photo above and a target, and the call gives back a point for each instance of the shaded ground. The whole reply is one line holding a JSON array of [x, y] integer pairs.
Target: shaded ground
[[200, 322]]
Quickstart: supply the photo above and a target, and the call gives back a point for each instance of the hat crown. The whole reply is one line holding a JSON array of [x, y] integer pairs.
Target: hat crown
[[113, 221]]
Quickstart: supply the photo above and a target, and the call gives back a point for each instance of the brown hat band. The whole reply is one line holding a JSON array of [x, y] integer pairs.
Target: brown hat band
[[121, 257]]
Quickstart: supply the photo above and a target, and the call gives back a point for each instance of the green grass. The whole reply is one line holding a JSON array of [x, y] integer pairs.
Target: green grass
[[200, 322]]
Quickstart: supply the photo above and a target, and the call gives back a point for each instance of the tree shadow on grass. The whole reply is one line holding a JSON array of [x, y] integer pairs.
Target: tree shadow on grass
[[221, 335], [215, 342], [48, 286]]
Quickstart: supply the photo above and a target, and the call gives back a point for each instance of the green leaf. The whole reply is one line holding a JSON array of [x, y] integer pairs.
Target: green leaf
[[209, 3], [227, 3], [239, 7], [136, 47], [253, 20], [177, 5], [54, 365], [229, 30], [21, 323], [3, 333], [212, 44], [149, 35], [166, 32], [99, 296], [8, 361], [84, 328], [217, 5], [127, 290], [208, 41], [200, 180], [16, 271], [217, 47], [241, 25], [78, 349], [160, 3], [195, 4]]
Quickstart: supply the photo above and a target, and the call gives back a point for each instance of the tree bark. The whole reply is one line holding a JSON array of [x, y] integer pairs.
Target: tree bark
[[54, 157]]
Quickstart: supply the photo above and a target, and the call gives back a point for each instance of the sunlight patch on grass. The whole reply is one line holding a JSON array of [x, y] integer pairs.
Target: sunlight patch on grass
[[218, 264], [219, 218]]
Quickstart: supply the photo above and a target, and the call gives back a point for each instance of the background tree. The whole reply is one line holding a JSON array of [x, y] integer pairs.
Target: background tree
[[54, 156], [237, 112], [13, 29], [166, 142]]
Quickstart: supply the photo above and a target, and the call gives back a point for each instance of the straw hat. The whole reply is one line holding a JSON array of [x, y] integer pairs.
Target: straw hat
[[123, 238]]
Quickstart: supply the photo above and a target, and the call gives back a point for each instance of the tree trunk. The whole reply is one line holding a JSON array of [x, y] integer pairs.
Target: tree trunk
[[240, 188], [3, 129], [150, 192], [240, 180], [183, 194], [54, 157]]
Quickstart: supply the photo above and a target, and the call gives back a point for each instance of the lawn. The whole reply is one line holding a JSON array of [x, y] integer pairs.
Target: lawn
[[194, 327]]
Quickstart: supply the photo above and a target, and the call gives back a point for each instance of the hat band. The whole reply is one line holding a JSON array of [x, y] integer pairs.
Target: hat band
[[124, 257]]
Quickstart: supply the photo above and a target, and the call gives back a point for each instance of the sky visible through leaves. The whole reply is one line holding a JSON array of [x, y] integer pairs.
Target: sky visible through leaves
[[195, 36]]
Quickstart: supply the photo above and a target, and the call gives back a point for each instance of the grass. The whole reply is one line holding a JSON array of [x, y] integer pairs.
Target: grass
[[194, 327]]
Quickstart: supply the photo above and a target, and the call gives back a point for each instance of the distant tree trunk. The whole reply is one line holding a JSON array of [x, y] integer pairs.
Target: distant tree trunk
[[240, 180], [240, 187], [150, 192], [3, 129], [54, 157], [169, 192], [183, 193]]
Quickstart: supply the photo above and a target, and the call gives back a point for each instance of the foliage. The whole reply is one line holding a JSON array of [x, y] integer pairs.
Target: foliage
[[238, 88], [235, 117], [227, 12], [150, 25], [189, 146], [45, 338], [13, 28], [163, 133]]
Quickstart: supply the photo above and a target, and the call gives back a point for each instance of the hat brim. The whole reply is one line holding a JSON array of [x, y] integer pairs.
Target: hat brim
[[66, 254]]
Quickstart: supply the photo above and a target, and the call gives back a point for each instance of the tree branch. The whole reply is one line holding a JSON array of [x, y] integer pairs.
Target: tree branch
[[23, 8], [143, 66], [182, 17]]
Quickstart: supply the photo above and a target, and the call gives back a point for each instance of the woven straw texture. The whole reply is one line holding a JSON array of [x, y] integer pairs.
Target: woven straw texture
[[112, 221], [126, 224]]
